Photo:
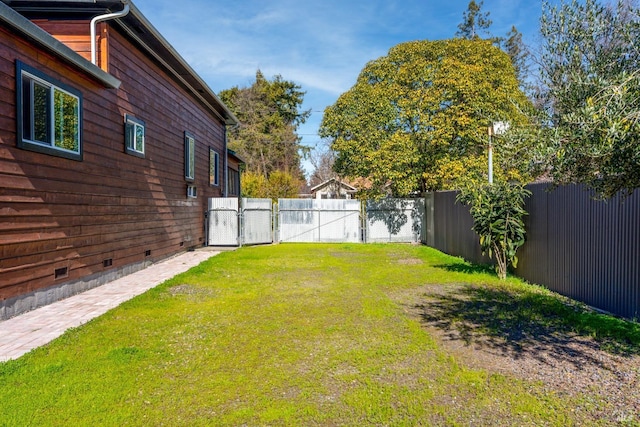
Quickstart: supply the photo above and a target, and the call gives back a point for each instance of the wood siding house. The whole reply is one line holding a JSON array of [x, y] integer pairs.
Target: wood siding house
[[106, 167]]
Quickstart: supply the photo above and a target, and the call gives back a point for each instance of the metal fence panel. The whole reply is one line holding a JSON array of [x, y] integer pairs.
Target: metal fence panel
[[222, 225], [593, 249], [395, 220], [257, 227], [452, 224], [296, 221], [313, 220], [586, 249]]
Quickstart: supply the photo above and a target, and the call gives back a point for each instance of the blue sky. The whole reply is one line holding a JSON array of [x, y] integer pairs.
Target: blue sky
[[319, 44]]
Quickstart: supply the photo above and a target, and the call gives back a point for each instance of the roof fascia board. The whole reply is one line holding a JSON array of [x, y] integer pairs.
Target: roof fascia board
[[231, 119], [21, 24]]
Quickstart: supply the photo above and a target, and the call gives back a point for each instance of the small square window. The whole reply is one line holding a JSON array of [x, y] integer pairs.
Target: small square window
[[134, 136], [214, 168], [189, 156]]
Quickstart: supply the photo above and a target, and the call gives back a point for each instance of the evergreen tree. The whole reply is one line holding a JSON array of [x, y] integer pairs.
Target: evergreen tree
[[474, 21], [518, 52], [269, 114]]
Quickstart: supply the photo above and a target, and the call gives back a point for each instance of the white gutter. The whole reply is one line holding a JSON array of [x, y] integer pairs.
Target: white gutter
[[225, 172], [100, 18]]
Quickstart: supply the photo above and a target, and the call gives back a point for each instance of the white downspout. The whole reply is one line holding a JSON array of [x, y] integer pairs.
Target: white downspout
[[101, 18]]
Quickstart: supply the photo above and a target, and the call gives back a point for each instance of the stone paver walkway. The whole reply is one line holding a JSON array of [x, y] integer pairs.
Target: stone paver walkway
[[23, 333]]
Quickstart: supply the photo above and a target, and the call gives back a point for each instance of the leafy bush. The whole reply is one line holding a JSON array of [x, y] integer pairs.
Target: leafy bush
[[253, 184], [498, 211], [279, 184]]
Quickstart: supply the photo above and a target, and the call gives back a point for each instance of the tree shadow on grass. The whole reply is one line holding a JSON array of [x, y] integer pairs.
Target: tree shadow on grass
[[467, 268], [533, 323]]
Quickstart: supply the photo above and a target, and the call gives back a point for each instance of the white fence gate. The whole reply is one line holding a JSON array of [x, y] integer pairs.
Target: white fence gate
[[323, 220], [229, 224], [395, 220], [256, 221], [222, 224]]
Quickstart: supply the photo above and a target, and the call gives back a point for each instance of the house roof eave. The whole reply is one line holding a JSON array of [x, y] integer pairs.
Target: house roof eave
[[134, 25], [22, 25], [164, 52], [236, 156]]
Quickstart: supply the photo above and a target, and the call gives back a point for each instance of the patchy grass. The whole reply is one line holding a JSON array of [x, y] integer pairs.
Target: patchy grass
[[304, 335], [520, 311]]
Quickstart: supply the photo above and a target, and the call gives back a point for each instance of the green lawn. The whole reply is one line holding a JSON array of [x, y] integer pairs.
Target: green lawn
[[291, 335]]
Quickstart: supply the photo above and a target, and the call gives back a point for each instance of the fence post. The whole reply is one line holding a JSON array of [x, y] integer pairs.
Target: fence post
[[241, 223], [275, 227], [319, 222], [429, 211], [206, 227]]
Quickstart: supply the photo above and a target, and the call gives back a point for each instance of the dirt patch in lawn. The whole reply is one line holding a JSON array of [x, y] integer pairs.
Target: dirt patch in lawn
[[518, 336], [410, 261]]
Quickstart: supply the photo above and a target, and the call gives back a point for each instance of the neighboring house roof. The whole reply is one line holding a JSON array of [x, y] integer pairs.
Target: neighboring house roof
[[348, 188], [135, 25]]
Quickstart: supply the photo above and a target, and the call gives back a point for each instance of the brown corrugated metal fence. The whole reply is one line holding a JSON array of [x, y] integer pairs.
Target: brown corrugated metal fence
[[586, 249]]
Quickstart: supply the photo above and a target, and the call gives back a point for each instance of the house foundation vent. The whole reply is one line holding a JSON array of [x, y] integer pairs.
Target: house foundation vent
[[61, 273]]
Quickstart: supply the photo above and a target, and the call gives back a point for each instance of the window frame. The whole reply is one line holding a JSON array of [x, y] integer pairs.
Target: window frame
[[53, 86], [130, 120], [233, 182], [189, 157], [214, 168]]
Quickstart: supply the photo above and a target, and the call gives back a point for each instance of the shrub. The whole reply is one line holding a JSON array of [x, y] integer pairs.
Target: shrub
[[498, 211]]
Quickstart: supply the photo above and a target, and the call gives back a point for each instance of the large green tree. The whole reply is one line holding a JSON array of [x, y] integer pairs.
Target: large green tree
[[590, 66], [269, 112], [417, 119]]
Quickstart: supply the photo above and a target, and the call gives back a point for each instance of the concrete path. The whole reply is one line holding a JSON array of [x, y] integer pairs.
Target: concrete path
[[23, 333]]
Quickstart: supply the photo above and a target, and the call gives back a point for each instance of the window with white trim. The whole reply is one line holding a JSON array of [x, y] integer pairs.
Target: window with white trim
[[214, 168], [49, 114], [189, 156], [133, 136]]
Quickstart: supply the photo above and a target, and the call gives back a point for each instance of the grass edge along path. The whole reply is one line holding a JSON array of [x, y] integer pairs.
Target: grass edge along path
[[278, 335]]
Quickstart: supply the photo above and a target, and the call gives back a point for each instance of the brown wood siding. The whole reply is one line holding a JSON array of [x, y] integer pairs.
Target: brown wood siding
[[77, 36], [56, 212]]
